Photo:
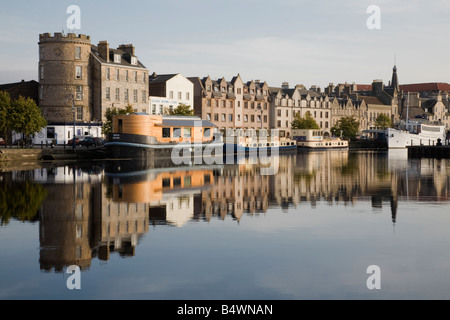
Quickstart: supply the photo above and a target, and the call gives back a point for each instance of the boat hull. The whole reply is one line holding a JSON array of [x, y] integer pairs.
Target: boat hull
[[398, 139], [322, 145]]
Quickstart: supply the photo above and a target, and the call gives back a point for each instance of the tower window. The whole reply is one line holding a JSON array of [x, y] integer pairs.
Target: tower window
[[79, 92], [78, 72], [77, 52], [79, 113]]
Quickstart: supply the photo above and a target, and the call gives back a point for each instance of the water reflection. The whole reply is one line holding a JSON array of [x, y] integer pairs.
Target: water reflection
[[95, 211], [19, 200]]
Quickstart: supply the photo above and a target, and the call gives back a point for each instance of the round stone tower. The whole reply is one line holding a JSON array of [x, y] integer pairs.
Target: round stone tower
[[64, 74]]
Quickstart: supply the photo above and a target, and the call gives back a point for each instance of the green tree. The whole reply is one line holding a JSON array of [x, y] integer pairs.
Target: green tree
[[5, 112], [306, 122], [26, 116], [110, 113], [382, 121], [347, 126], [181, 110]]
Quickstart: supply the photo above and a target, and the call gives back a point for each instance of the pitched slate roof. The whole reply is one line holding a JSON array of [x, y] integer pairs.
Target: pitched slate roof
[[312, 93], [124, 61], [432, 86], [161, 78], [7, 86], [364, 87], [371, 100]]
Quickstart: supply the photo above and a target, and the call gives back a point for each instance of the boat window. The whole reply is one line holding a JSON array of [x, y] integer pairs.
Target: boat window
[[207, 133], [187, 132], [166, 132], [177, 182], [166, 183], [176, 132]]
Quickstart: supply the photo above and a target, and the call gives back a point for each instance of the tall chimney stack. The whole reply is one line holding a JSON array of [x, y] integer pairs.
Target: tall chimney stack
[[103, 50], [128, 48]]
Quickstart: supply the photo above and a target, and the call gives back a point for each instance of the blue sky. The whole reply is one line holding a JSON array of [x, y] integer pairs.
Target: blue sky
[[298, 41]]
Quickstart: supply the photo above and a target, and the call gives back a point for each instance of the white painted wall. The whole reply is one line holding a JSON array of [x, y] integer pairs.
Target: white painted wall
[[63, 133], [176, 85]]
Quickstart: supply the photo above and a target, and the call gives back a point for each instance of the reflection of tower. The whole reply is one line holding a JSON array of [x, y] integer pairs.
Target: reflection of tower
[[65, 227]]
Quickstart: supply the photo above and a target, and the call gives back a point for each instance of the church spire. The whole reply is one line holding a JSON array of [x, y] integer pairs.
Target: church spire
[[394, 82]]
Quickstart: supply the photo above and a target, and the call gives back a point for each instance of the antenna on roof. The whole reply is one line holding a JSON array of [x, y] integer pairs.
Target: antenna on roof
[[395, 59]]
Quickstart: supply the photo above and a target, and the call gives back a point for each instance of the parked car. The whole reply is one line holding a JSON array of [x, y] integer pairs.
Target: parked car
[[78, 140], [91, 142], [87, 142], [70, 143]]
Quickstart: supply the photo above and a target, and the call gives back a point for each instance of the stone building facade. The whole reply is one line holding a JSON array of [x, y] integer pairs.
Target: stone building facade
[[79, 81], [118, 79], [287, 102], [232, 104]]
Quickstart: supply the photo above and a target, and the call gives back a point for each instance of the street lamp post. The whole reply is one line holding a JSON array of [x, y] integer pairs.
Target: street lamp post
[[72, 97], [73, 135]]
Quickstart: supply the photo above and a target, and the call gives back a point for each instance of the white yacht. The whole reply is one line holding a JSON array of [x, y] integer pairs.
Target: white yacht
[[314, 139], [415, 134]]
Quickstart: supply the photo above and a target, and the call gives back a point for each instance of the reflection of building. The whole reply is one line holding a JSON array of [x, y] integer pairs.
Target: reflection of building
[[119, 225], [237, 190], [79, 221], [169, 194], [87, 215]]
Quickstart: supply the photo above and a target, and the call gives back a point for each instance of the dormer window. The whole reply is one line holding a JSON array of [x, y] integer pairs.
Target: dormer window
[[223, 89], [216, 89], [117, 58], [134, 61]]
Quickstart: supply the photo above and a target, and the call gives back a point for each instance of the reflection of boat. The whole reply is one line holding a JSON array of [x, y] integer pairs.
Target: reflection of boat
[[415, 134], [314, 139], [151, 185], [255, 140], [139, 135]]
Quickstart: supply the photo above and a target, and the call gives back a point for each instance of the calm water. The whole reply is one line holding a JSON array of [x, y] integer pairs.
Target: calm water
[[228, 232]]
